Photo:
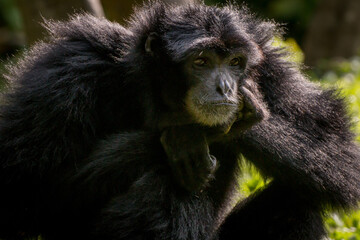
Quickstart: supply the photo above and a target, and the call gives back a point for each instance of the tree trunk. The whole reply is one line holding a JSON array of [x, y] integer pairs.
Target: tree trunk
[[334, 31], [34, 11]]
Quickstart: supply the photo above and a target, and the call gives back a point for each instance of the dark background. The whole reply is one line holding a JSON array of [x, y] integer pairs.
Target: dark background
[[324, 29]]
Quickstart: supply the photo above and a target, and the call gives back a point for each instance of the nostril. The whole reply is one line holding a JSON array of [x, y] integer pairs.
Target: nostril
[[219, 90]]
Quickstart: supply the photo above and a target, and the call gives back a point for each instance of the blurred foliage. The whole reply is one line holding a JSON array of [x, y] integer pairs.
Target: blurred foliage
[[10, 15], [251, 180], [290, 45], [294, 14], [344, 226]]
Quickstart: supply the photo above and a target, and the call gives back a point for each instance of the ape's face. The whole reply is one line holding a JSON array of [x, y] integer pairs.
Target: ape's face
[[208, 64], [213, 77]]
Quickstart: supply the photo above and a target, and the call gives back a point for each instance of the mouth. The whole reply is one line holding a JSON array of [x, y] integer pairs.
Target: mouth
[[216, 112], [222, 103], [212, 113]]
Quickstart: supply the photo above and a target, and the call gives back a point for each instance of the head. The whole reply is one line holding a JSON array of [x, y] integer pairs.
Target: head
[[204, 54], [213, 97]]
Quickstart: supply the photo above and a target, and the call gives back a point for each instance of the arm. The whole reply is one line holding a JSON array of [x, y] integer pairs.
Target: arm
[[126, 177], [275, 213], [326, 169], [188, 155], [314, 164], [51, 114], [306, 142], [118, 161], [305, 146]]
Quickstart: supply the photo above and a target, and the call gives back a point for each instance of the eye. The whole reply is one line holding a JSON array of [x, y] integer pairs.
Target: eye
[[238, 61], [200, 62]]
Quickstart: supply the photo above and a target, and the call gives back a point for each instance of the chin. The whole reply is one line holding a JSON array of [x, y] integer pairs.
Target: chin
[[210, 115]]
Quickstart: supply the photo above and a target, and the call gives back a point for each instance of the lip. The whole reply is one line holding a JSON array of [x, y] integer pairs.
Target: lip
[[222, 103]]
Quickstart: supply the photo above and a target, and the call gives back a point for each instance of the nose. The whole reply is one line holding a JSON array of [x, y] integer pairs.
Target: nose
[[223, 87]]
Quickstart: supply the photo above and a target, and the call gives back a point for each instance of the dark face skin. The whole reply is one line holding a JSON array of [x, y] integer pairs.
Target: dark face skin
[[213, 77]]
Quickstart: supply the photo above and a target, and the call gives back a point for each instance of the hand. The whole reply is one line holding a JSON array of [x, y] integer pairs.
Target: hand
[[188, 155], [252, 110]]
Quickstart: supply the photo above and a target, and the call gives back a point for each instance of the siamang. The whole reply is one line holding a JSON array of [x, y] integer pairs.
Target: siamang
[[112, 132]]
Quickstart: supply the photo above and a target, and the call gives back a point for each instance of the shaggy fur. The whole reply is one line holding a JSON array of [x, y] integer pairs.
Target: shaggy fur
[[81, 159]]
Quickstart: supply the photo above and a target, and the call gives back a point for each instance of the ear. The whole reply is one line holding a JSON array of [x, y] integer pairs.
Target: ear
[[150, 44]]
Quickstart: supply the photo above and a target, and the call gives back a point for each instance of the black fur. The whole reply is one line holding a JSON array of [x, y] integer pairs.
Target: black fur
[[81, 159]]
